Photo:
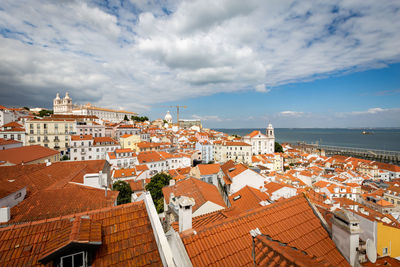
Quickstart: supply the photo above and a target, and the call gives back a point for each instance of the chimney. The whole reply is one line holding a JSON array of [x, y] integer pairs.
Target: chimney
[[48, 163], [345, 233], [172, 182], [185, 213], [5, 214]]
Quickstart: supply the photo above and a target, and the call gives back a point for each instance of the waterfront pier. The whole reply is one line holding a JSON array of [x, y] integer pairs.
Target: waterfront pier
[[386, 156]]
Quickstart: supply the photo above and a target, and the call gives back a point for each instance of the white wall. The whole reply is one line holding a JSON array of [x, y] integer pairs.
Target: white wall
[[13, 199], [207, 208], [247, 177]]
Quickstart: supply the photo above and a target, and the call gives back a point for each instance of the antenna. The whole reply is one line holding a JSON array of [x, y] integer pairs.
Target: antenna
[[371, 250]]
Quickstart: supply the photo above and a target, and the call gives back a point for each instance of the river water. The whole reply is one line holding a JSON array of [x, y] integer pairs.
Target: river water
[[385, 139]]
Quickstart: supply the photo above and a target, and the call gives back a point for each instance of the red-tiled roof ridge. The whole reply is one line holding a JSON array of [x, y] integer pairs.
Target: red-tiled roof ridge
[[269, 251], [70, 216], [81, 230]]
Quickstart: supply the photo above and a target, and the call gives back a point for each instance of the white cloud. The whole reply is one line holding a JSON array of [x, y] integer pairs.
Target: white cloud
[[262, 89], [289, 113], [145, 52], [207, 118]]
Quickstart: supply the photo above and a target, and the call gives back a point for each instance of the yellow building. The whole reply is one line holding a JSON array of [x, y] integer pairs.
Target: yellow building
[[388, 240], [50, 132], [130, 141]]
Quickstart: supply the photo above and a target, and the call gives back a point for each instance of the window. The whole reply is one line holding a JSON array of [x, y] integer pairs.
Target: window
[[38, 138], [385, 251], [12, 137], [19, 137], [77, 259]]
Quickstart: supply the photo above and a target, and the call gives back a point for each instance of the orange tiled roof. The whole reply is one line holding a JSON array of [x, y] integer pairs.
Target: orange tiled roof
[[292, 221], [126, 237], [8, 141], [55, 202], [207, 169], [269, 252], [136, 185], [124, 172], [26, 154], [200, 191], [40, 176], [247, 198], [81, 137], [149, 156], [254, 133]]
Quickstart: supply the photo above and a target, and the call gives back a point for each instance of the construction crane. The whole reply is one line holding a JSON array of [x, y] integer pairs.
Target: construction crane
[[177, 111]]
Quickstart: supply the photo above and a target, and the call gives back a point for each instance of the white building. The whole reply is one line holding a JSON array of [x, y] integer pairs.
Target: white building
[[65, 106], [6, 115], [168, 117], [261, 144], [92, 128], [238, 176], [236, 151], [62, 106], [122, 158], [13, 131], [207, 151], [86, 147]]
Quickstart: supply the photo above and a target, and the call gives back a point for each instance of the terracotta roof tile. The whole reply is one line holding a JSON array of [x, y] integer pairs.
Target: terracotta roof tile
[[291, 221], [26, 154], [272, 252], [247, 198], [126, 235], [200, 191], [81, 137], [71, 198], [207, 169]]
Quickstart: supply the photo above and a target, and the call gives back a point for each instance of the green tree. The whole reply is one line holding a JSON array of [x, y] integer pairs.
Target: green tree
[[278, 147], [45, 112], [125, 192], [155, 186], [26, 108], [65, 157], [140, 119], [126, 118]]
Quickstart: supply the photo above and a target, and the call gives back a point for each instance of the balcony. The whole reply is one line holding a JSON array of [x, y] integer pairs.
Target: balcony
[[31, 141], [57, 147], [46, 140]]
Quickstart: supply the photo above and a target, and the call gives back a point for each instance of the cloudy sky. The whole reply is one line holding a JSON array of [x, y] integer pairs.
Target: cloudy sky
[[234, 63]]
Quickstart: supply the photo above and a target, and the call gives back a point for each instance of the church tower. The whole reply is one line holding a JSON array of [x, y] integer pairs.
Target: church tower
[[62, 106], [270, 131], [270, 138]]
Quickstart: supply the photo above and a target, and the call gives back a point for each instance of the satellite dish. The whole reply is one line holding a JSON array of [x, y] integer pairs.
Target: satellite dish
[[371, 251]]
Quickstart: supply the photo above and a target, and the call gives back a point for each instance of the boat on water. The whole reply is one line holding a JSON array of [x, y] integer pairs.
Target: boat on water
[[367, 132]]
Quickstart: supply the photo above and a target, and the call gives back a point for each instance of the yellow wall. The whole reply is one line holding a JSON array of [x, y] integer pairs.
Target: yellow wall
[[130, 142], [388, 237]]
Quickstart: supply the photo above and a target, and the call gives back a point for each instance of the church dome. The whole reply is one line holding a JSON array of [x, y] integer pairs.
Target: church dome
[[168, 117], [270, 126], [67, 96], [57, 97]]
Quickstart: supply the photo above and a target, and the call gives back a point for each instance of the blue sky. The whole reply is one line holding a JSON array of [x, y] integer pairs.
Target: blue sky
[[234, 63]]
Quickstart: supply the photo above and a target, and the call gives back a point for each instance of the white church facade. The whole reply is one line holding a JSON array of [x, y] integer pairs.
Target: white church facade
[[65, 106], [261, 143]]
